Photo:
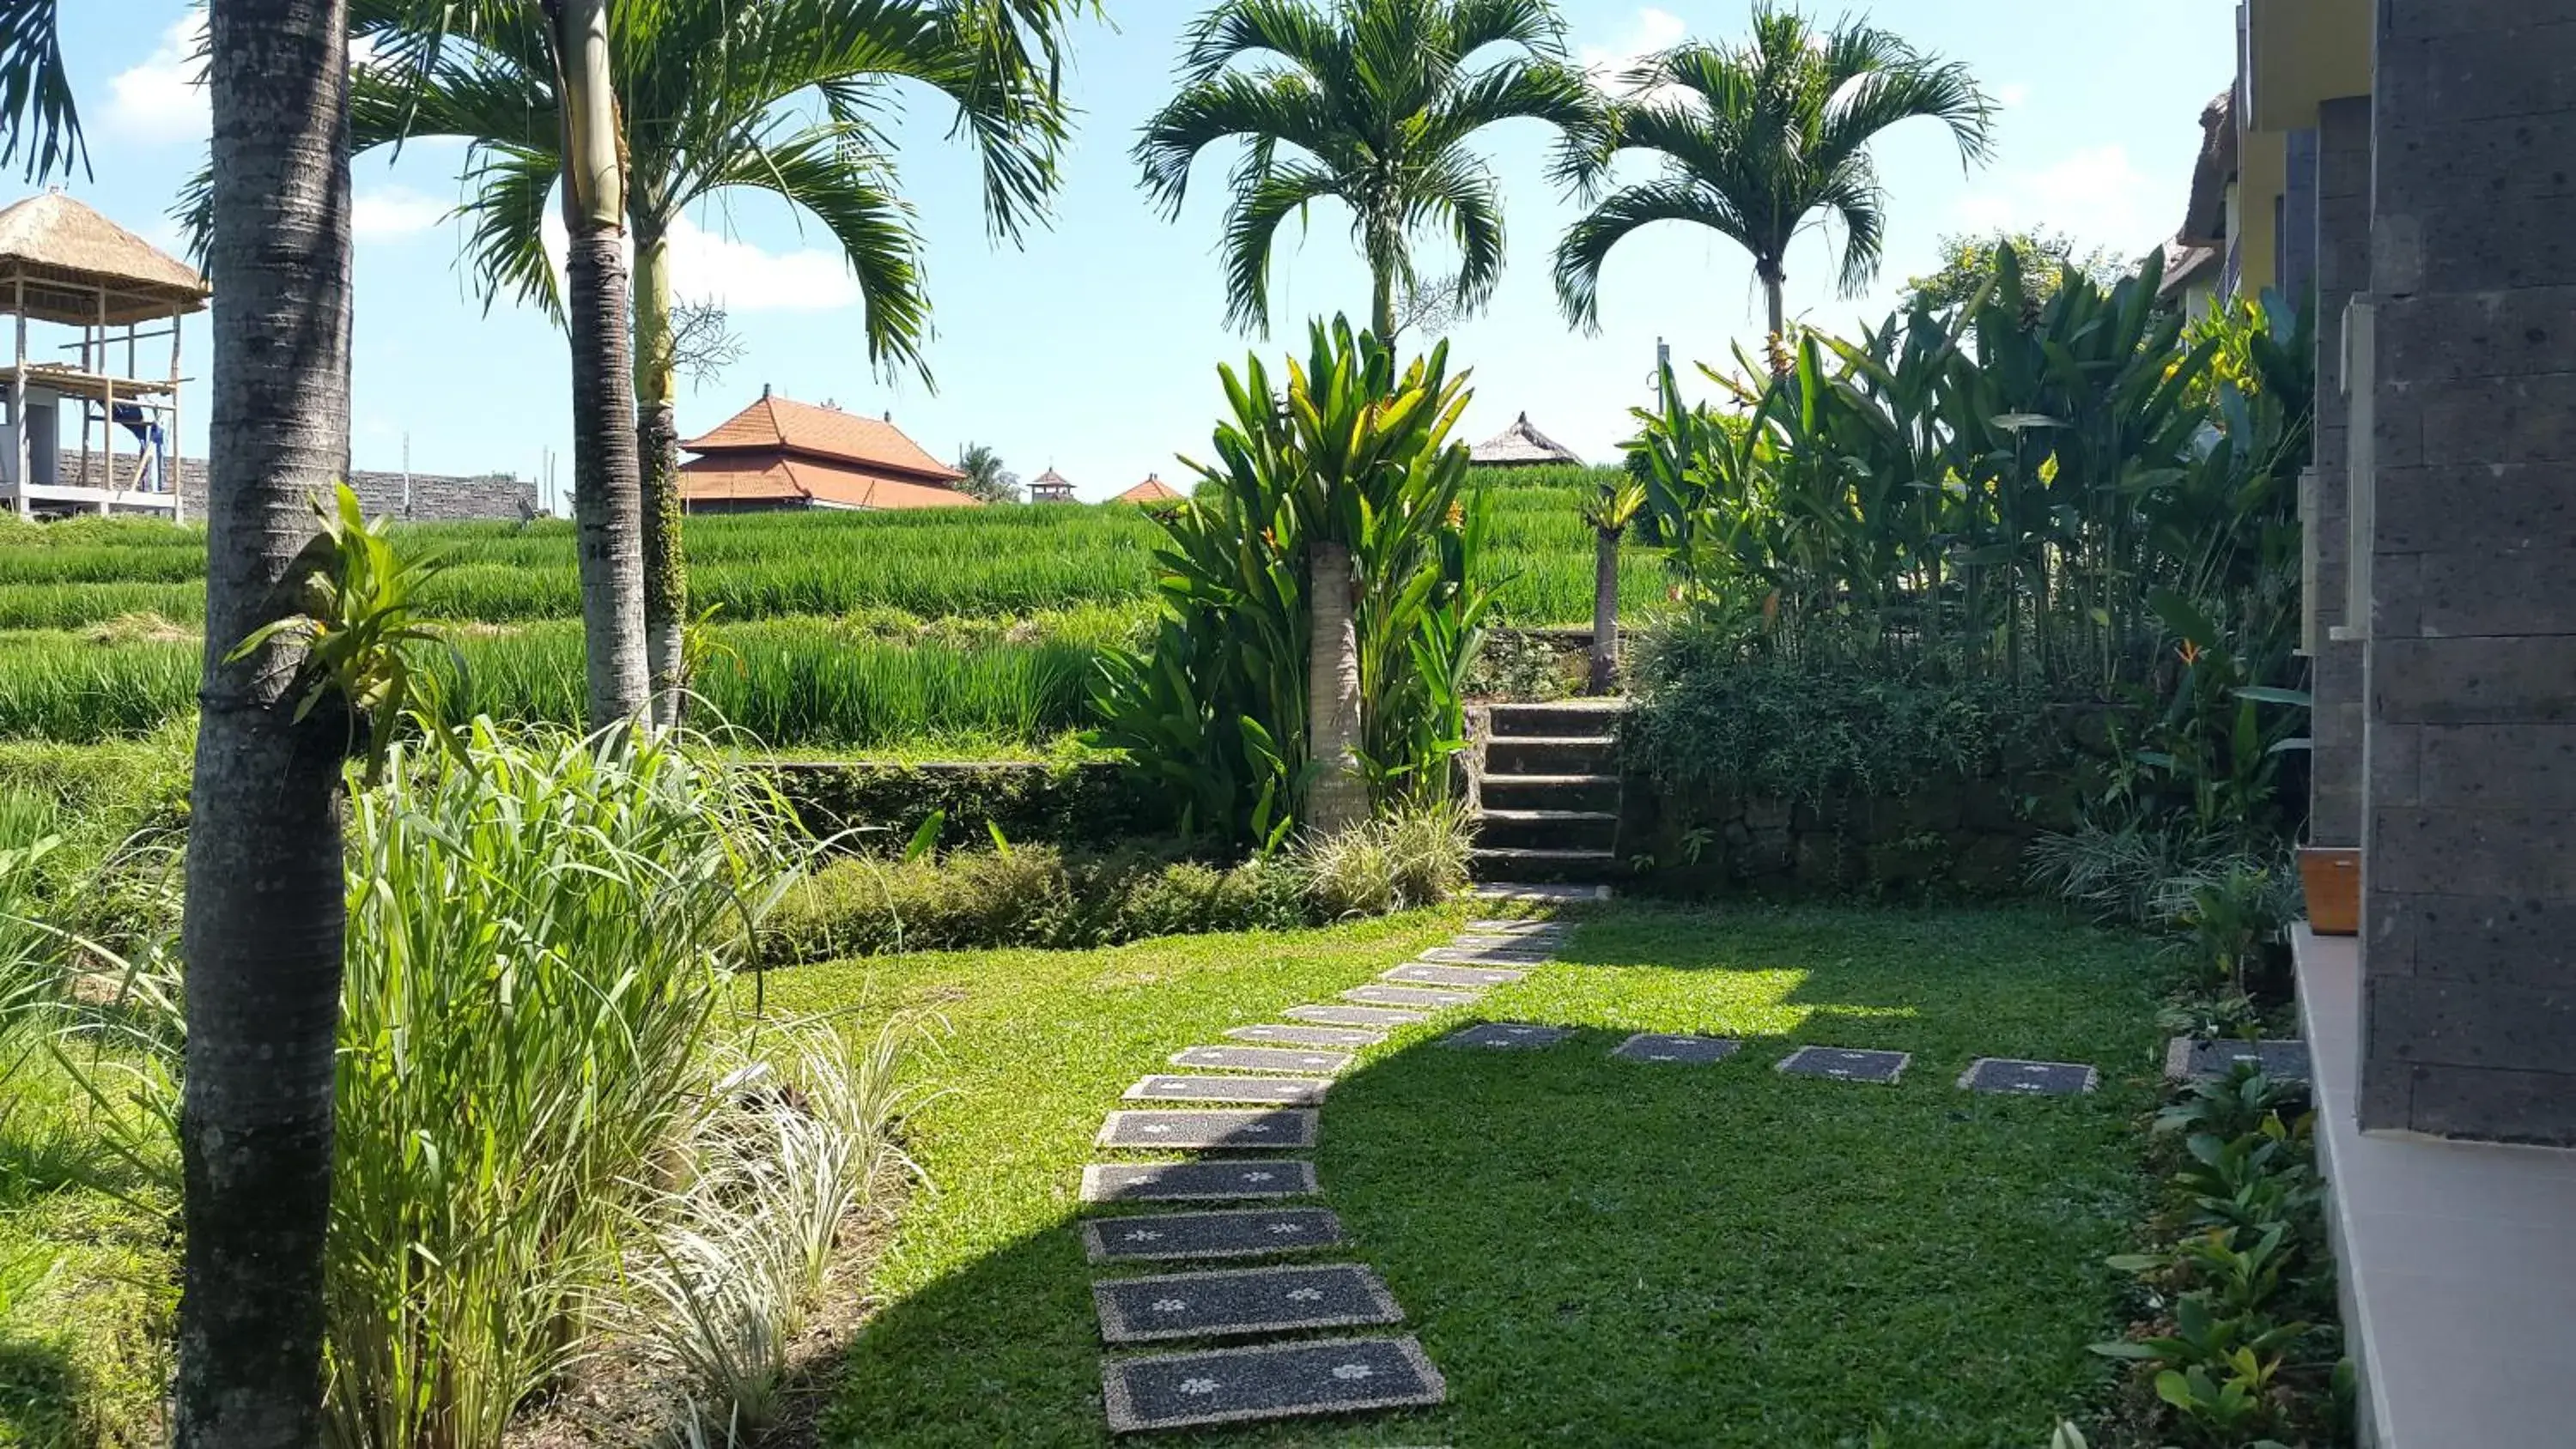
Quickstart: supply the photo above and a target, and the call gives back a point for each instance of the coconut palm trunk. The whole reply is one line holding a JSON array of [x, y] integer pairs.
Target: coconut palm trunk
[[1605, 610], [657, 447], [1773, 281], [266, 909], [607, 490], [1337, 799]]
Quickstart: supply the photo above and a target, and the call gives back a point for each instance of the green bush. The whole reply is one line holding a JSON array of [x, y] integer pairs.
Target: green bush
[[1814, 729]]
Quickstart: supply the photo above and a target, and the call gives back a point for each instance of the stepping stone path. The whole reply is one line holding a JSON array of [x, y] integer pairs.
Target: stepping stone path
[[1190, 1131], [2043, 1079], [1313, 1036], [1286, 1069], [1651, 1046], [2189, 1059], [1282, 1091], [1230, 1233], [1845, 1064], [1506, 1036], [1355, 1015], [1477, 977], [1230, 1302], [1261, 1059]]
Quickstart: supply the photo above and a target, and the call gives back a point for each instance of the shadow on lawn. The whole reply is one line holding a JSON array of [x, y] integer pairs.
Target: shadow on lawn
[[39, 1391], [1596, 1251]]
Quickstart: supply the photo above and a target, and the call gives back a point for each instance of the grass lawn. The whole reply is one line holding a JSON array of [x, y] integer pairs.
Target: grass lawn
[[1593, 1252]]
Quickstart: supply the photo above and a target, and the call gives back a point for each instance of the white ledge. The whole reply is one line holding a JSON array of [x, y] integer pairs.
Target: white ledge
[[2457, 1260]]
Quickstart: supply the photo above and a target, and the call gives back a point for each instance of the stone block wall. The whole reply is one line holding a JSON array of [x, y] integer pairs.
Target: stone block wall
[[2469, 919], [2342, 256], [1957, 836], [435, 497]]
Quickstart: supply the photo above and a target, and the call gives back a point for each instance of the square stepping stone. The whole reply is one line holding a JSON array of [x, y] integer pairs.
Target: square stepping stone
[[1194, 1131], [1429, 1000], [1507, 926], [1507, 891], [1195, 1181], [1269, 1381], [1261, 1059], [1506, 1036], [1354, 1015], [1536, 946], [2036, 1079], [1461, 956], [1313, 1036], [1229, 1301], [2282, 1059], [1845, 1064], [1656, 1046], [1272, 1091], [1420, 973], [1231, 1233]]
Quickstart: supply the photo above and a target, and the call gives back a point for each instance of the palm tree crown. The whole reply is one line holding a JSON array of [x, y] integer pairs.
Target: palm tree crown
[[1762, 140], [1369, 103]]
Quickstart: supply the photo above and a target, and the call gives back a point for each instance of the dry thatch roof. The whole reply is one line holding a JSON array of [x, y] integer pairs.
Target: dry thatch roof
[[2204, 221], [1521, 446], [79, 269]]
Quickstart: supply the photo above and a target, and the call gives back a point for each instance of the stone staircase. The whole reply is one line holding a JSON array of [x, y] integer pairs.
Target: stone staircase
[[1547, 792]]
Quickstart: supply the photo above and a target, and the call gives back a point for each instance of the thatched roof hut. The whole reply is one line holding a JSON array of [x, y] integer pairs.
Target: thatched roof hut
[[1521, 446], [79, 269]]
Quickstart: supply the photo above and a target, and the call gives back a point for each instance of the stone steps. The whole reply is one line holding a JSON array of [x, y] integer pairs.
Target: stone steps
[[1551, 755], [1548, 829], [1552, 792], [1544, 867], [1548, 793]]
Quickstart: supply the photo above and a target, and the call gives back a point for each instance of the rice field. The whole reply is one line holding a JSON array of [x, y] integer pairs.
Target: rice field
[[978, 629]]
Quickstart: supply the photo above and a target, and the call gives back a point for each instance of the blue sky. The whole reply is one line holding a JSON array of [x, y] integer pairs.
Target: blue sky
[[1093, 348]]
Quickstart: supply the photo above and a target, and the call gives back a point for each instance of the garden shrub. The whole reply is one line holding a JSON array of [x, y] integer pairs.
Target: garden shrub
[[1062, 802]]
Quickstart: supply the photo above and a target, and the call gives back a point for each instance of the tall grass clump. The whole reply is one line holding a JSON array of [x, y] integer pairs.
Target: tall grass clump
[[1412, 857], [538, 946]]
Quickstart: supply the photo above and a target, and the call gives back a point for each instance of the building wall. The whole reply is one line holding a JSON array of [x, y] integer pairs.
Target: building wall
[[2342, 260], [2469, 924], [435, 497]]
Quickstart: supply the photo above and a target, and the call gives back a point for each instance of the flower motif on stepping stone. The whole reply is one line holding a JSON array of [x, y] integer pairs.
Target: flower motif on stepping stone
[[1144, 1235], [1305, 1295], [1170, 1305], [1660, 1057], [1198, 1387], [1288, 1227], [1349, 1372], [1158, 1127], [1259, 1176], [1253, 1128]]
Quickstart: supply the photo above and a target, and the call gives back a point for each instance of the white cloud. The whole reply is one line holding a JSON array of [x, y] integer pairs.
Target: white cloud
[[1649, 31], [2011, 94], [708, 267], [738, 275], [164, 98], [2096, 195], [394, 211]]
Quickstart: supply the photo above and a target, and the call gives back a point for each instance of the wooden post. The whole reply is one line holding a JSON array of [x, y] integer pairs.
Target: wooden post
[[106, 420], [172, 473], [18, 398]]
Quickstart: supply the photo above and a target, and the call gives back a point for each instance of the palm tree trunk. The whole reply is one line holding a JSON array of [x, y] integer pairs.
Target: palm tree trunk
[[1382, 305], [1772, 280], [606, 488], [657, 447], [1338, 798], [1605, 610], [266, 905]]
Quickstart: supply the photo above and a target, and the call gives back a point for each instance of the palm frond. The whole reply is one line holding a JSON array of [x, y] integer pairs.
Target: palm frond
[[1288, 29], [1250, 227], [1268, 110], [1461, 192], [1587, 244], [848, 189], [37, 109], [506, 192]]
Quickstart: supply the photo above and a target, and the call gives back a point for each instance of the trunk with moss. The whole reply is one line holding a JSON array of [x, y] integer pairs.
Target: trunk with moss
[[607, 491], [1338, 798], [657, 447], [1605, 610], [266, 903]]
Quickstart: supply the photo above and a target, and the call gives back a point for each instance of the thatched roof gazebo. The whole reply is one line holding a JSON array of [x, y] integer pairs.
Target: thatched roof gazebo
[[65, 265], [1521, 446], [1152, 490]]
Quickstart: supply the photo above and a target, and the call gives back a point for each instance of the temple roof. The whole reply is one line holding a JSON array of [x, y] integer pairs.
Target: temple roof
[[783, 425]]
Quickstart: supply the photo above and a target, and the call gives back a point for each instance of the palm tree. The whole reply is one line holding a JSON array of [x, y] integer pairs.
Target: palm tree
[[1608, 513], [788, 97], [1374, 102], [1763, 140], [986, 478], [266, 909]]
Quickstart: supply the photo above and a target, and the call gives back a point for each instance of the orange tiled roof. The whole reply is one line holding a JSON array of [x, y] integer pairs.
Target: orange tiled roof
[[723, 479], [1152, 490], [783, 424]]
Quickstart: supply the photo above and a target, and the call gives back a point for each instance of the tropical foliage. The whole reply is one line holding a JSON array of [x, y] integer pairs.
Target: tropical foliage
[[1370, 103], [1764, 140], [1347, 449]]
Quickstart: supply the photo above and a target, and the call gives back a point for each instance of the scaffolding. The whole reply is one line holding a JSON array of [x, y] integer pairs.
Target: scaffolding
[[64, 266]]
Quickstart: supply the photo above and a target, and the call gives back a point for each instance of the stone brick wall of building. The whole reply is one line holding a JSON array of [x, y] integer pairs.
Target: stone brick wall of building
[[2342, 256], [435, 497], [2469, 924]]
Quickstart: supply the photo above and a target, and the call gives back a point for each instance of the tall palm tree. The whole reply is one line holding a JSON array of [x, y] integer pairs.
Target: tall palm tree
[[1763, 140], [784, 96], [986, 478], [1373, 102], [265, 905]]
